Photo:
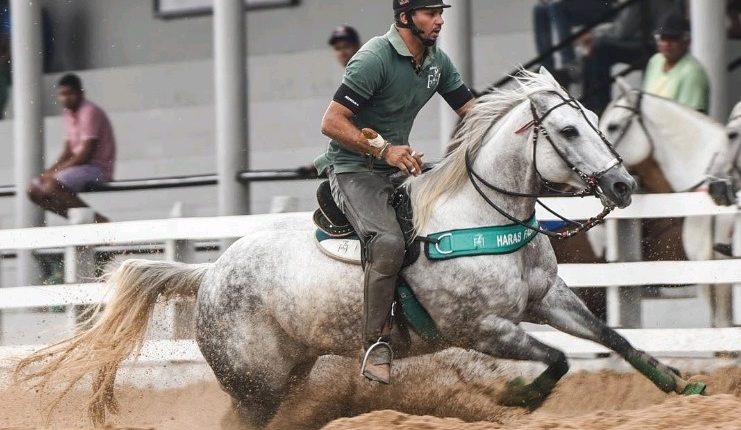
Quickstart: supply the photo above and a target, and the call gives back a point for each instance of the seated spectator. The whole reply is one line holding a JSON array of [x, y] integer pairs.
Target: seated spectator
[[673, 72], [626, 40], [563, 15], [345, 41], [88, 155]]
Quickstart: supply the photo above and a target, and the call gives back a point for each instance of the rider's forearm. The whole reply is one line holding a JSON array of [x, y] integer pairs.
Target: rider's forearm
[[343, 131]]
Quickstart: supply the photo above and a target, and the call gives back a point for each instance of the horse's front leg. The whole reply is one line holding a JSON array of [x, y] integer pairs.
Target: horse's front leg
[[562, 309], [505, 339]]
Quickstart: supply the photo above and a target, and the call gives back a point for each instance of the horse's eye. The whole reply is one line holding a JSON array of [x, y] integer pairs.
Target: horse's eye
[[569, 132], [612, 128], [732, 135]]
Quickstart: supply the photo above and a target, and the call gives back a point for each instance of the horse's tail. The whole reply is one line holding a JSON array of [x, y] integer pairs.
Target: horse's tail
[[104, 341]]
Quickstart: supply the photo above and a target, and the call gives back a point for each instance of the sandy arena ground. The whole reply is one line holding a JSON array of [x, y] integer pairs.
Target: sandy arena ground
[[461, 386]]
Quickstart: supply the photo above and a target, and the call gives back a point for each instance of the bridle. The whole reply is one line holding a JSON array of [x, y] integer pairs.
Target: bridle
[[590, 180], [735, 167], [637, 116]]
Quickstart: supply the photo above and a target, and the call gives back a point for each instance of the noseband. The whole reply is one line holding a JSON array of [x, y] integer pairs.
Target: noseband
[[590, 180], [636, 115]]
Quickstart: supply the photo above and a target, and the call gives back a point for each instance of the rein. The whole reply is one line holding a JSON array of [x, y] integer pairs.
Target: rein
[[591, 180]]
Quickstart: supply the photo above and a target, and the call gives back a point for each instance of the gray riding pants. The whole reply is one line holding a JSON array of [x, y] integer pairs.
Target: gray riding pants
[[365, 198]]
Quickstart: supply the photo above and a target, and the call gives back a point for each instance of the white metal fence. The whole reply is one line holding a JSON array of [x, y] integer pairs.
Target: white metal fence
[[77, 240]]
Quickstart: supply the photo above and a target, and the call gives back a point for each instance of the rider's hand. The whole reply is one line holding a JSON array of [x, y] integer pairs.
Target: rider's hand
[[404, 158]]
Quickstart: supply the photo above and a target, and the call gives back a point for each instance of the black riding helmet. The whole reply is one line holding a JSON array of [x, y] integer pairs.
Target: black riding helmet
[[408, 6]]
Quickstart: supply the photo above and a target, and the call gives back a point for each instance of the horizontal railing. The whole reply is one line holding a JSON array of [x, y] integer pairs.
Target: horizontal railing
[[204, 228], [183, 181]]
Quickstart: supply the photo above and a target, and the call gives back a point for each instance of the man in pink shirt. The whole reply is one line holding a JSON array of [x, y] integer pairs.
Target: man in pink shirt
[[88, 156]]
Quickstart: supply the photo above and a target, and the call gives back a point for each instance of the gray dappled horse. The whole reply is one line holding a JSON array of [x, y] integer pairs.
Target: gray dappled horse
[[273, 302]]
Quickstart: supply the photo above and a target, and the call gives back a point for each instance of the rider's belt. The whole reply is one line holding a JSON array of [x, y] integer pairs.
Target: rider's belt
[[500, 239]]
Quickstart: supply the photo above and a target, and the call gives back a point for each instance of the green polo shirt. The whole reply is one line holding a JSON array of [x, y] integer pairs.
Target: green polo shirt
[[686, 82], [382, 72]]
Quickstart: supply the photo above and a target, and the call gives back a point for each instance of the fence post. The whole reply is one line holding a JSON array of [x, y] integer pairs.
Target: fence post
[[623, 244], [721, 294], [180, 312], [79, 261], [736, 245]]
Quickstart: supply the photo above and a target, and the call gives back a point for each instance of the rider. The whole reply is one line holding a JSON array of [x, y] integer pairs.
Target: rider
[[385, 86]]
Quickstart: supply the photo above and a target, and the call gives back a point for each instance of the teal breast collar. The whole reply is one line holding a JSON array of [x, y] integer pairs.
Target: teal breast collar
[[500, 239]]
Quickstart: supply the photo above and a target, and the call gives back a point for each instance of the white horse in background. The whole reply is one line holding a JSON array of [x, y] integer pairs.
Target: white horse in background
[[273, 302], [672, 148]]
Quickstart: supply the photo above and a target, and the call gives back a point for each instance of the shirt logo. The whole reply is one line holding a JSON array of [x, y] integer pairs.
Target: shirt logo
[[403, 2], [434, 77]]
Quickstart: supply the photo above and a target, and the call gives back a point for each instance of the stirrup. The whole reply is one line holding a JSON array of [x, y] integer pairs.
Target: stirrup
[[379, 343]]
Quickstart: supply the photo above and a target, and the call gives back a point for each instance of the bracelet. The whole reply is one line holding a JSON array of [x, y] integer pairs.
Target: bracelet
[[383, 150]]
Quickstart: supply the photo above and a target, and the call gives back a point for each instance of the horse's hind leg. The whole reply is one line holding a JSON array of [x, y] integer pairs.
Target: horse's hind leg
[[562, 309], [506, 339], [256, 363]]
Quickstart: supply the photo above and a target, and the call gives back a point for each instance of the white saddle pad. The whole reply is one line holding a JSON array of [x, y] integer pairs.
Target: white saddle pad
[[346, 249]]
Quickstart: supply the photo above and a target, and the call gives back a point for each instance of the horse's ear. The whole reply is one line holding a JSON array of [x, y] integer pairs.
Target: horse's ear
[[623, 86], [543, 71]]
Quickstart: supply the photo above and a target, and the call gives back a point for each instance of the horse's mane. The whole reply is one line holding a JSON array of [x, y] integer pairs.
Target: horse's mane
[[449, 175]]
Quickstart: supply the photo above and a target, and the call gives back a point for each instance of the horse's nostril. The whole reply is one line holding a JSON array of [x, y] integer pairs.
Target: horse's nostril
[[621, 188]]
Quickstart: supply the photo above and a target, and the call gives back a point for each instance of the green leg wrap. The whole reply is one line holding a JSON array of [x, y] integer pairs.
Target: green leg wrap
[[655, 371], [532, 395], [694, 388]]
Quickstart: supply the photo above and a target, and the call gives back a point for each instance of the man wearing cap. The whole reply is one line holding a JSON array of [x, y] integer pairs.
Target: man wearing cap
[[385, 85], [345, 41], [673, 72]]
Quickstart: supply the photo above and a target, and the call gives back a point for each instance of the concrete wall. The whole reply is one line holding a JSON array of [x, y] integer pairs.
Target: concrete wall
[[111, 33], [154, 77]]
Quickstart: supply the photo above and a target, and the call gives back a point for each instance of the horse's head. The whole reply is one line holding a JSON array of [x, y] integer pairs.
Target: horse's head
[[725, 173], [622, 125], [668, 145], [573, 151]]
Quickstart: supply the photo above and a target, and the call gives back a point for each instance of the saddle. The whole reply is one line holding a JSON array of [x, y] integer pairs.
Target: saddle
[[342, 240]]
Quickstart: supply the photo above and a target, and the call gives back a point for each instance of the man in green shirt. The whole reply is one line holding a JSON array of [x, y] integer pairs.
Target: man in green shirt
[[673, 72], [385, 86]]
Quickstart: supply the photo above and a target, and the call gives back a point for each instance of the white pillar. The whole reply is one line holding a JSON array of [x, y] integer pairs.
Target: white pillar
[[230, 76], [180, 311], [79, 264], [709, 46], [28, 124], [456, 40], [623, 244]]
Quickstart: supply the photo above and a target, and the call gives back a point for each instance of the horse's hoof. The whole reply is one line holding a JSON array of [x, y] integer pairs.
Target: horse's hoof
[[518, 394], [694, 388]]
